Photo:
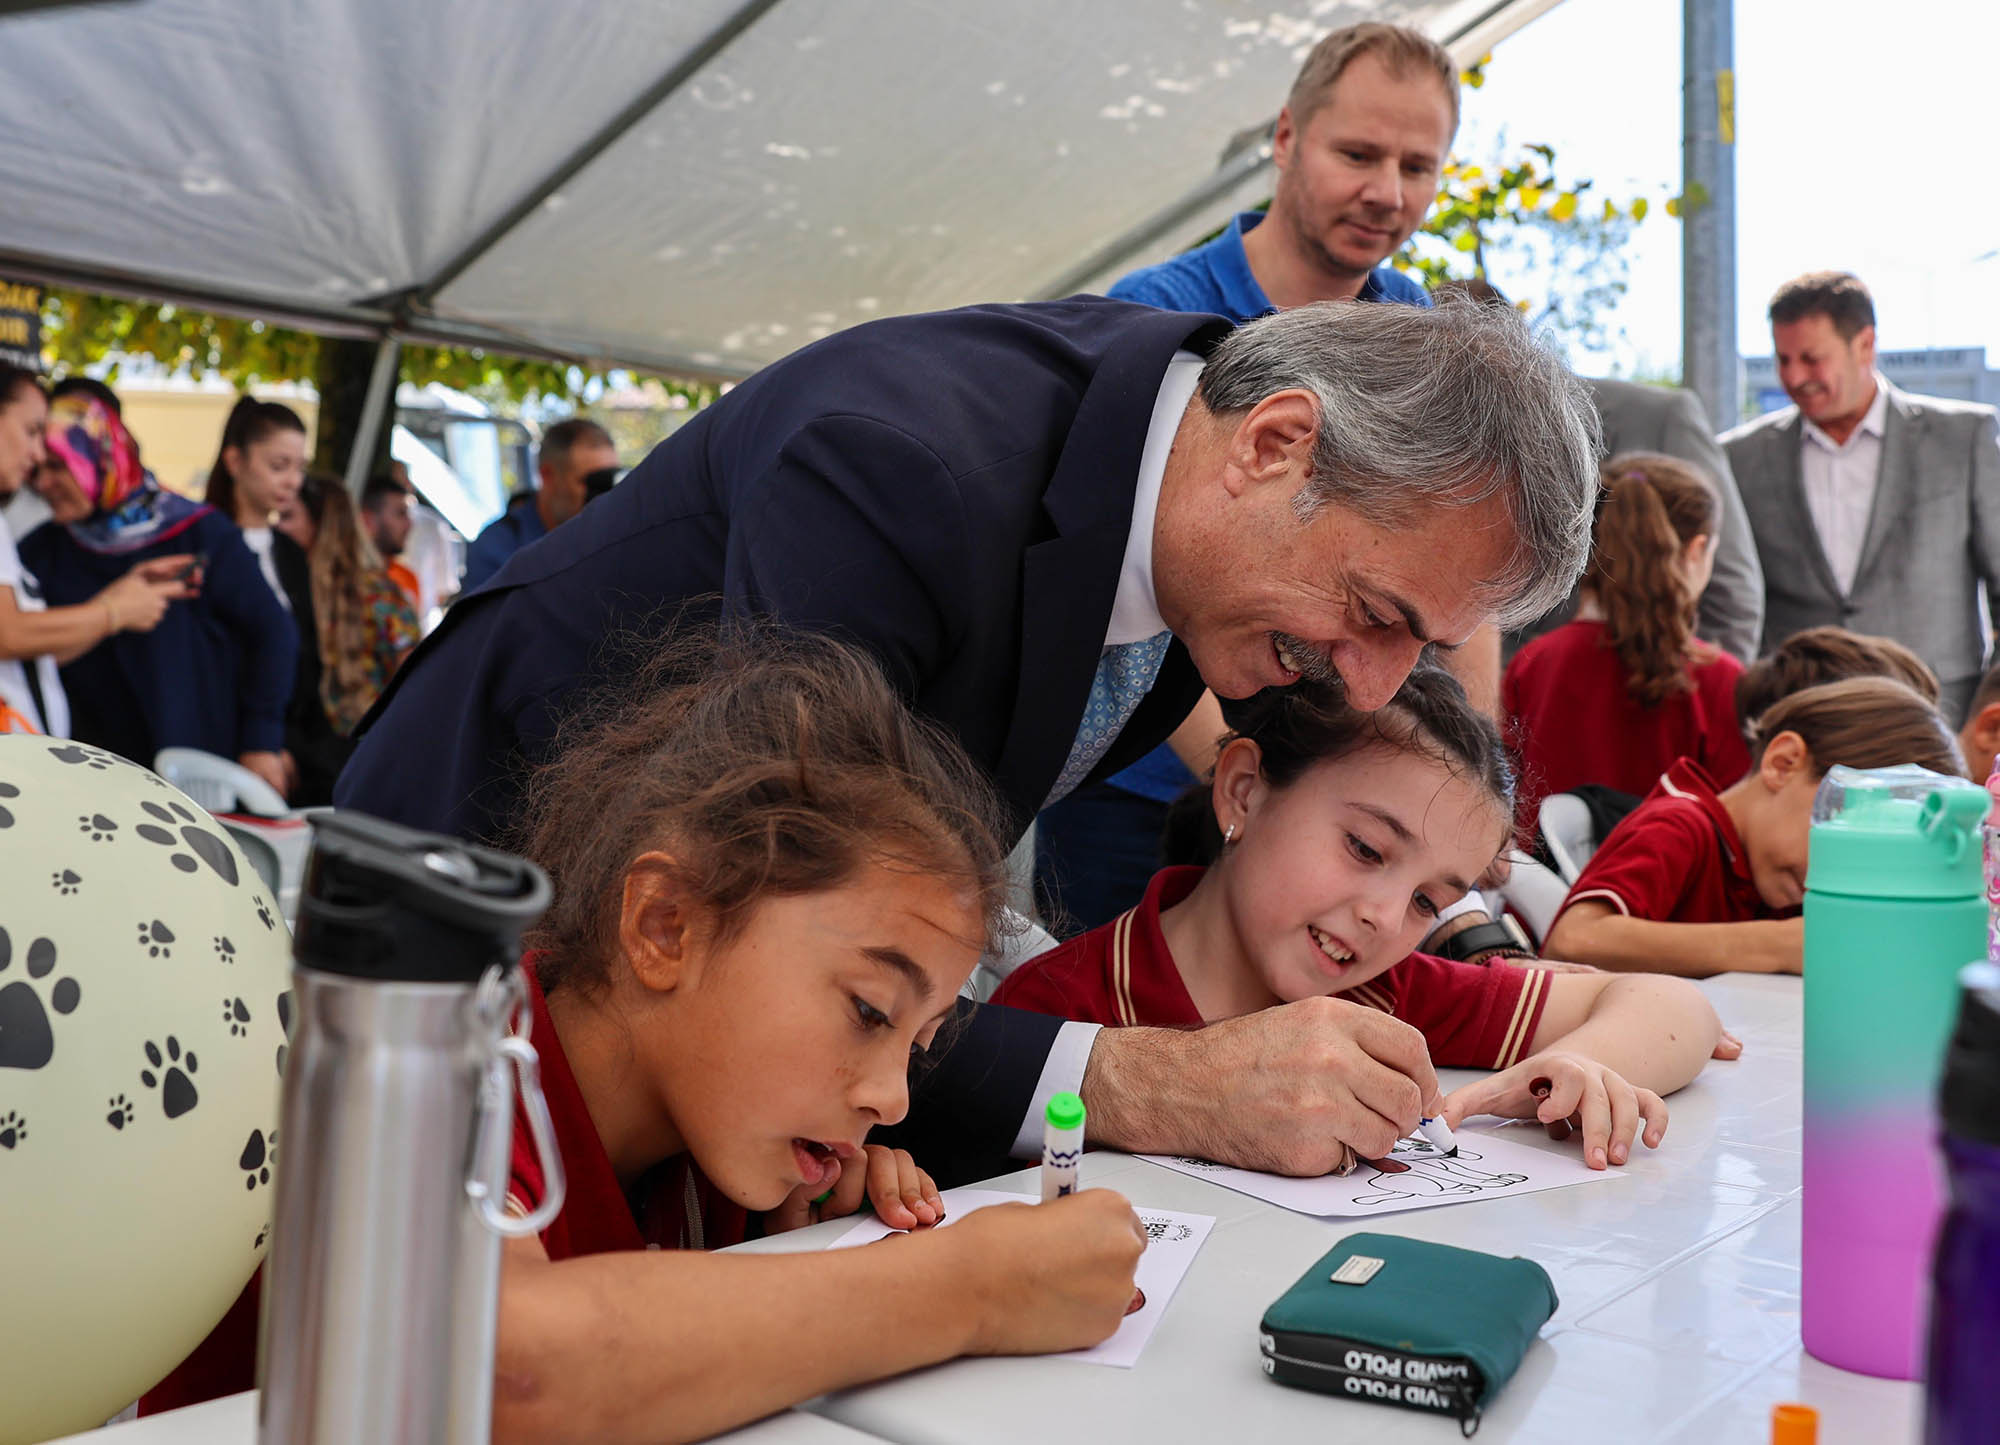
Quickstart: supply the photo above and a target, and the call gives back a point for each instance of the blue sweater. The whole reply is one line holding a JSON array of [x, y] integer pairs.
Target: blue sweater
[[215, 674]]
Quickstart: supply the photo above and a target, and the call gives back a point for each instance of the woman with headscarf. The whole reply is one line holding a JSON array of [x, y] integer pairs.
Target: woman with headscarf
[[36, 639], [216, 671], [365, 621]]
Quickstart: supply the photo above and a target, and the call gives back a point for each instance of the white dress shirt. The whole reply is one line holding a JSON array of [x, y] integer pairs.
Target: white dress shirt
[[1840, 479], [1135, 615]]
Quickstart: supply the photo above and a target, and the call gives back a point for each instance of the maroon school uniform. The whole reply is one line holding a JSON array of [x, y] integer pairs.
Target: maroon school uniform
[[672, 1207], [1471, 1016], [1676, 858], [1571, 721]]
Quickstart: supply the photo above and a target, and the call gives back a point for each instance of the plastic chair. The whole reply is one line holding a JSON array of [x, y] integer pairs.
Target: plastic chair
[[1569, 833], [218, 784], [1534, 894], [263, 857]]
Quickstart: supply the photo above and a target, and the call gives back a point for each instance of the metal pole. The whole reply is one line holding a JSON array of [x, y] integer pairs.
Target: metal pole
[[374, 411], [1710, 366]]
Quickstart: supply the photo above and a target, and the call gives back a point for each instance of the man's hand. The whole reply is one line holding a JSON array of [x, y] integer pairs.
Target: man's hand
[[1298, 1089]]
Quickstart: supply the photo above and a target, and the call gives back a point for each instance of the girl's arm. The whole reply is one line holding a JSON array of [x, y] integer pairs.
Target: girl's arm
[[134, 602], [676, 1345], [1594, 932], [1606, 1048]]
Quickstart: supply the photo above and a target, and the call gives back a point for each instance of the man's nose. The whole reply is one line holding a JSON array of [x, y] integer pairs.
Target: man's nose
[[1384, 186], [1371, 672]]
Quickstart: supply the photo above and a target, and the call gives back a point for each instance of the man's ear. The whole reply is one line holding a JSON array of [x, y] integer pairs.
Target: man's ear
[[1785, 757], [1283, 137], [1238, 787], [1273, 441], [660, 928], [1864, 346]]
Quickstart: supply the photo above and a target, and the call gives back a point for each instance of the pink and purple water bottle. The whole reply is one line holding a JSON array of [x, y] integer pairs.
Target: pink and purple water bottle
[[1894, 907]]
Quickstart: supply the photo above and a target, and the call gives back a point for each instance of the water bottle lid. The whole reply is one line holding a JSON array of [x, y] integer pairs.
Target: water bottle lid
[[394, 904], [1903, 832], [1969, 1097]]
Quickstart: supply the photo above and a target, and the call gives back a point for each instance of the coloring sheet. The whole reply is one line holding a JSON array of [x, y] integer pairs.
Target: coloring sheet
[[1414, 1176], [1171, 1242]]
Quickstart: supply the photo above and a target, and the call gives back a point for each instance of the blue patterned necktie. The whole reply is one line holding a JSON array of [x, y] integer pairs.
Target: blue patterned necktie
[[1125, 674]]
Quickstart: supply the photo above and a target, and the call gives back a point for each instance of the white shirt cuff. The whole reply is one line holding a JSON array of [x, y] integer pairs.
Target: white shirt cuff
[[1062, 1073]]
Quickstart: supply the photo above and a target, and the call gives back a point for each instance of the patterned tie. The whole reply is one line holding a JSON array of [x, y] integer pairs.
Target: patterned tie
[[1124, 675]]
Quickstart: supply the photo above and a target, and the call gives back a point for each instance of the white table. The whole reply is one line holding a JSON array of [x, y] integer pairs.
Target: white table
[[233, 1421], [1679, 1282]]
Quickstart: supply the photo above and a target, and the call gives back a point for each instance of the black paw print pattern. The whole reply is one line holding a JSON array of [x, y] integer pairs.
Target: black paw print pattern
[[262, 1235], [285, 1023], [13, 1129], [236, 1016], [225, 950], [157, 939], [258, 1158], [26, 1040], [80, 756], [174, 1079], [121, 1112], [65, 881], [99, 828], [201, 843], [9, 792], [264, 915]]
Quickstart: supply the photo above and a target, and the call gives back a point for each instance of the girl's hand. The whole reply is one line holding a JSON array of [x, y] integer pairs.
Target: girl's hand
[[1045, 1277], [903, 1195], [1569, 1094]]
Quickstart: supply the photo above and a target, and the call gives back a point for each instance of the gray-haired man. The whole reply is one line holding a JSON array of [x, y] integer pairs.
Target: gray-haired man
[[1052, 523]]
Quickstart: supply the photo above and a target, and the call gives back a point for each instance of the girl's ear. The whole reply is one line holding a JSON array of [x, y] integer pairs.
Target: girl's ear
[[658, 925], [1239, 786], [232, 459], [1785, 758]]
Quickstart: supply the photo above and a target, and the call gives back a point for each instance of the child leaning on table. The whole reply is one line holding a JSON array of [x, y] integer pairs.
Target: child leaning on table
[[1699, 880], [770, 883], [1341, 834]]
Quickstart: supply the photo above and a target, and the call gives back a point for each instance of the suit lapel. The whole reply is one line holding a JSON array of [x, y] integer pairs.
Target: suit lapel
[[1786, 443], [1070, 580], [1895, 480]]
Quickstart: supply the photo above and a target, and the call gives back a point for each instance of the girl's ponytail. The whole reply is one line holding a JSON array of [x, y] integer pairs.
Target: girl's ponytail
[[1650, 508]]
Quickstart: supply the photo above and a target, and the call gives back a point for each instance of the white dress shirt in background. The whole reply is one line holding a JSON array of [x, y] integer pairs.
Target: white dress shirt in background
[[1840, 480]]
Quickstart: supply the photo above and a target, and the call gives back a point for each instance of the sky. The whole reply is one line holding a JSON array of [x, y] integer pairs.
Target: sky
[[1865, 142]]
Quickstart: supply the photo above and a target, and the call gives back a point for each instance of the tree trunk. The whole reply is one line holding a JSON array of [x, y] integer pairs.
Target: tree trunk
[[342, 380]]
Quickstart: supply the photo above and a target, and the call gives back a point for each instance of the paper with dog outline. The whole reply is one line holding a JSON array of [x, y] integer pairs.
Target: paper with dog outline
[[1488, 1166], [1172, 1240]]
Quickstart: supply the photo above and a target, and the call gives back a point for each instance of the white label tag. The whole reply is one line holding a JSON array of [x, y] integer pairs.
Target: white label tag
[[1357, 1269]]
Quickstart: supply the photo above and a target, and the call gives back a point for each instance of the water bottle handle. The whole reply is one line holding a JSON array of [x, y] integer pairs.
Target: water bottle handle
[[1953, 816], [542, 1129], [485, 1184]]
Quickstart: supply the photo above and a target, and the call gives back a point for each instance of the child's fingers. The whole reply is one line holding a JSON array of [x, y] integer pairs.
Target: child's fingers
[[1560, 1090], [1654, 1109], [1595, 1117], [886, 1187], [794, 1213], [932, 1197], [1625, 1117], [911, 1181], [1728, 1047], [841, 1190]]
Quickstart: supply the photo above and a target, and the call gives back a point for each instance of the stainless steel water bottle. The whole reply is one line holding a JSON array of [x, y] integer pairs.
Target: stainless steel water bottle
[[395, 1130]]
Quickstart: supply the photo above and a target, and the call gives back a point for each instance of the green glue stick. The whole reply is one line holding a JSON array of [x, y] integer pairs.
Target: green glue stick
[[1062, 1145]]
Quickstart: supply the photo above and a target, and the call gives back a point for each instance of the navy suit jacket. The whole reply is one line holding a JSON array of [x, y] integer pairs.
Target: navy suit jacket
[[953, 491]]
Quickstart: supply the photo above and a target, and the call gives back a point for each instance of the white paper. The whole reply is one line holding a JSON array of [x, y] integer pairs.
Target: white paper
[[1172, 1239], [1488, 1166]]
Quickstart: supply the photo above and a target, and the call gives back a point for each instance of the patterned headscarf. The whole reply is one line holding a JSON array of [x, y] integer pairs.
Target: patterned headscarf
[[98, 451], [129, 509]]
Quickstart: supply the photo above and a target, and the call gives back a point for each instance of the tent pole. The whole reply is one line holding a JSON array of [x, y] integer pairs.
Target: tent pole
[[374, 409]]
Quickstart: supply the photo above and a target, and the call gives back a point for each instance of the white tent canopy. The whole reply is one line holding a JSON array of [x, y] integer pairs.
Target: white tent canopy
[[693, 185]]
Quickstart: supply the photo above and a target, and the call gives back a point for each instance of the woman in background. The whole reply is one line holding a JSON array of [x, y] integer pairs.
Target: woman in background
[[214, 673], [366, 625]]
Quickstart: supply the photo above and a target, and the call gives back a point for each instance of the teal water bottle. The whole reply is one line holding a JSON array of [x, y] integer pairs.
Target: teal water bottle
[[1894, 908]]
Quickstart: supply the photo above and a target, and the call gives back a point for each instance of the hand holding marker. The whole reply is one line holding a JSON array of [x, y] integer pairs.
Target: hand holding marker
[[1062, 1153]]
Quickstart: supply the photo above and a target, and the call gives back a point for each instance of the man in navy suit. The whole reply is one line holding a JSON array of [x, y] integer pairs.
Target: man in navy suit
[[1020, 510]]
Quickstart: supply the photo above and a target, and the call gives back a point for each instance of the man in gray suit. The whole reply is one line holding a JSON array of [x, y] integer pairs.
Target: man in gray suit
[[1873, 509]]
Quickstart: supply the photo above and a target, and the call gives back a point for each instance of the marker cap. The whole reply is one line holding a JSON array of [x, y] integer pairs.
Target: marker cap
[[1065, 1111], [1794, 1425]]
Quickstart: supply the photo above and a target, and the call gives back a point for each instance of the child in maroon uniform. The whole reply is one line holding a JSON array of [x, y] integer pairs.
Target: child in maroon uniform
[[1615, 696], [1341, 834], [1699, 880], [770, 884]]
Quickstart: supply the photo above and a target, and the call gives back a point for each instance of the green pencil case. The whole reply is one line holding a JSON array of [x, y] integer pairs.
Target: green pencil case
[[1405, 1322]]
